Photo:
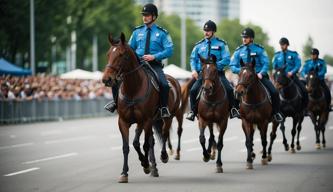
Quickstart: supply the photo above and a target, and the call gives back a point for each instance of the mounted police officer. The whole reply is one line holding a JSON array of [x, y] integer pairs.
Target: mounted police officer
[[152, 44], [320, 64], [292, 62], [205, 48], [249, 51]]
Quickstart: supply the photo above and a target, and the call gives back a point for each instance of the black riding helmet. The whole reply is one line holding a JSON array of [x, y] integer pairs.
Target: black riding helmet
[[314, 51], [248, 32], [284, 41], [149, 9], [209, 26]]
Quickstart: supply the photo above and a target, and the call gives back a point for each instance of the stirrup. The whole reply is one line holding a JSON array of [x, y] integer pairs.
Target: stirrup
[[190, 116], [165, 112], [278, 117], [111, 106], [234, 113]]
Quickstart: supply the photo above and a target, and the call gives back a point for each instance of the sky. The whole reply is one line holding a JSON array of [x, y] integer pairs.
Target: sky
[[294, 19]]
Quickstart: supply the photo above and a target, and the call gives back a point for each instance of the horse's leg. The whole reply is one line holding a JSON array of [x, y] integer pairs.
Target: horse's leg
[[285, 142], [323, 121], [293, 133], [146, 146], [154, 170], [202, 126], [124, 130], [136, 145], [299, 128], [317, 130], [211, 142], [165, 132], [170, 145], [249, 131], [263, 133], [272, 138], [179, 117], [222, 128]]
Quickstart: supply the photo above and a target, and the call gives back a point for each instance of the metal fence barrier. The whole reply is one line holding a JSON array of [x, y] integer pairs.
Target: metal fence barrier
[[48, 110]]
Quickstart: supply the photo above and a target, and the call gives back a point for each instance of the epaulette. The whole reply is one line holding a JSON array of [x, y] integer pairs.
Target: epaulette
[[259, 45], [161, 28], [308, 60], [138, 27], [223, 41], [278, 52], [294, 52], [239, 47], [199, 41]]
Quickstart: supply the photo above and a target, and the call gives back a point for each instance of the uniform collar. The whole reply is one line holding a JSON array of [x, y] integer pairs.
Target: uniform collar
[[211, 39], [153, 26]]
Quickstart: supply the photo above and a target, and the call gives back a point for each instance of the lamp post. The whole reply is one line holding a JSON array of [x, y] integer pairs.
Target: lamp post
[[32, 37]]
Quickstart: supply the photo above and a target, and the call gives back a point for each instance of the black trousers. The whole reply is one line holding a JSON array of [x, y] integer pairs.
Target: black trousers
[[273, 92], [327, 92]]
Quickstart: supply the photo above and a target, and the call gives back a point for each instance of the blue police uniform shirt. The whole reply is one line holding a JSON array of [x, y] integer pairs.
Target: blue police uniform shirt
[[289, 58], [218, 47], [311, 64], [161, 46], [256, 51]]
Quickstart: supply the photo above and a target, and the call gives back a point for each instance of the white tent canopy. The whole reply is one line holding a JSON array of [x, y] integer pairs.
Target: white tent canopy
[[177, 72], [329, 73], [82, 74]]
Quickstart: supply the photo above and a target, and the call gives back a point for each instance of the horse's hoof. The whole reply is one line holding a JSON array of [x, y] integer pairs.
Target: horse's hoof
[[298, 147], [286, 147], [165, 159], [171, 152], [147, 170], [154, 173], [253, 155], [318, 146], [212, 156], [264, 161], [324, 145], [249, 166], [219, 169], [292, 150], [205, 159], [123, 179], [269, 158], [177, 157]]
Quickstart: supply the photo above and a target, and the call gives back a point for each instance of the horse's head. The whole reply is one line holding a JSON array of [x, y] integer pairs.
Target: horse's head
[[118, 60], [209, 74], [247, 77], [280, 78], [312, 80]]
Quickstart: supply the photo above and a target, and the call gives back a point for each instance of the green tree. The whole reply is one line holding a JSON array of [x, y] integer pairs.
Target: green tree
[[307, 48], [328, 59]]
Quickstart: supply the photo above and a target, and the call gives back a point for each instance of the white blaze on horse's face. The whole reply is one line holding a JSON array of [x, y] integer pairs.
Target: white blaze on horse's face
[[114, 49], [278, 73], [311, 76], [207, 67], [244, 72]]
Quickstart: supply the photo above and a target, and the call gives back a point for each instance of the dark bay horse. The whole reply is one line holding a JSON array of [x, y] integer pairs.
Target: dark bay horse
[[213, 107], [138, 102], [255, 109], [317, 106], [291, 105]]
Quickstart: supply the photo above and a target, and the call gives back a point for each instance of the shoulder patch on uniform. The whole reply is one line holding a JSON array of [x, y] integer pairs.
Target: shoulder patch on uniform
[[320, 59], [259, 45], [221, 40], [240, 47], [138, 27], [161, 28], [199, 41]]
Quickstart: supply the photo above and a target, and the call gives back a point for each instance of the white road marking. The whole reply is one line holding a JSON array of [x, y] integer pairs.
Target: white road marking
[[12, 136], [330, 127], [23, 171], [68, 140], [114, 136], [16, 146], [51, 158], [119, 147], [230, 138], [190, 141], [194, 149]]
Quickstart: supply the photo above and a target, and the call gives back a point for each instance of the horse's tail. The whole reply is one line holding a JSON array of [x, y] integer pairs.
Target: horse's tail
[[158, 128], [185, 91]]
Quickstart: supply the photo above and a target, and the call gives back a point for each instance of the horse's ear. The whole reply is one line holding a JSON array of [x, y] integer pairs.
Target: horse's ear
[[241, 62], [110, 38], [316, 69], [213, 57], [253, 63], [202, 60], [122, 38], [284, 67]]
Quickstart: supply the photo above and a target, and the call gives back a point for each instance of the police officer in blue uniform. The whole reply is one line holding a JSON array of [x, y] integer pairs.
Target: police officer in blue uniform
[[205, 48], [152, 44], [249, 51], [291, 60], [320, 64]]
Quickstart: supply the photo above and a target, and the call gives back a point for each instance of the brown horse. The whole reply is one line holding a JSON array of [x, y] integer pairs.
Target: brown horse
[[138, 102], [213, 107], [255, 108], [317, 106], [291, 105]]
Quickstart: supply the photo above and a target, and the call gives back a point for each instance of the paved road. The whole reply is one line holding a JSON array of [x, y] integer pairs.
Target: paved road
[[85, 155]]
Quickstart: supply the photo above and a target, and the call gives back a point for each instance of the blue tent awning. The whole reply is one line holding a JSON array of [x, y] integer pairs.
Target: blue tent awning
[[7, 68]]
